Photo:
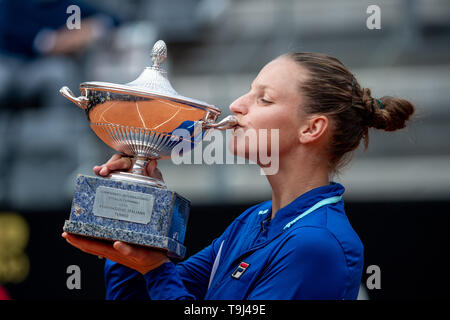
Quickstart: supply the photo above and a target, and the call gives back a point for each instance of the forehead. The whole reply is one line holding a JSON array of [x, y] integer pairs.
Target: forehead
[[281, 74]]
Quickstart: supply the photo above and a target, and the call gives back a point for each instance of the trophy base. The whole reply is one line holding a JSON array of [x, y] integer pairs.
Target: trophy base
[[174, 248], [133, 212]]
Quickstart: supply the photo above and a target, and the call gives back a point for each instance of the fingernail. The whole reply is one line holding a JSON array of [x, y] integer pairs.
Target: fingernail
[[104, 170]]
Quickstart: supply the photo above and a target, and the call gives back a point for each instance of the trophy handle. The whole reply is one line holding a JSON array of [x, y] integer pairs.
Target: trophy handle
[[226, 123], [81, 101]]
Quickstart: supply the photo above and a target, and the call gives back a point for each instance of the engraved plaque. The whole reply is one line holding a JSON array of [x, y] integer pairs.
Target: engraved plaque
[[123, 205]]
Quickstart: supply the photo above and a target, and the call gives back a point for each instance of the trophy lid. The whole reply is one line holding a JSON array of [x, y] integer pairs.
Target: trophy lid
[[152, 81]]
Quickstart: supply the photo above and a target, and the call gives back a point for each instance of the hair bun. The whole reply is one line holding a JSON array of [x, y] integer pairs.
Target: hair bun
[[389, 115]]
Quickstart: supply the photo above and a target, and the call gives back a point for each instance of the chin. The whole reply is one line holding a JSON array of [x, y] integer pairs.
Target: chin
[[239, 147]]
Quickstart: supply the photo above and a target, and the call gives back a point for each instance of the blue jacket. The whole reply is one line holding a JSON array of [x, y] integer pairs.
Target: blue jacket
[[316, 255]]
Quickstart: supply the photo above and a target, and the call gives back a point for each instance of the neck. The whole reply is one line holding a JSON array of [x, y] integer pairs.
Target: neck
[[296, 175]]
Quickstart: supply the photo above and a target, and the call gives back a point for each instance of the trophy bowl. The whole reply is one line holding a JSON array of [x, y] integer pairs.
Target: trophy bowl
[[139, 119]]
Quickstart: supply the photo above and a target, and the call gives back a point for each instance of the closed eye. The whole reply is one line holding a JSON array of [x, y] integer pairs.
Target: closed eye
[[265, 101]]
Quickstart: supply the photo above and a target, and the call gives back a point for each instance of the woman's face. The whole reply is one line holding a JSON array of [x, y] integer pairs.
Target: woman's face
[[273, 103]]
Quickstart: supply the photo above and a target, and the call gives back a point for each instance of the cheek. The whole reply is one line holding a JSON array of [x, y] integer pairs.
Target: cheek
[[285, 127], [270, 139], [276, 117], [264, 120]]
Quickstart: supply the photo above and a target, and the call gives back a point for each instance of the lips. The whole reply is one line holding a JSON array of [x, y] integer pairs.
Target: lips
[[238, 129], [240, 125]]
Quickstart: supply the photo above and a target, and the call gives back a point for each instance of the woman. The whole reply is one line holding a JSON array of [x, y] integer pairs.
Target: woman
[[299, 245]]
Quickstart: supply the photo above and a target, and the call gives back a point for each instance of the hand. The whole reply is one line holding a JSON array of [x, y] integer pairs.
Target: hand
[[141, 259], [120, 163]]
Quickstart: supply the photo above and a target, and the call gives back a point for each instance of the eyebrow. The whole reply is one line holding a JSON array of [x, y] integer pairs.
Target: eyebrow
[[263, 86]]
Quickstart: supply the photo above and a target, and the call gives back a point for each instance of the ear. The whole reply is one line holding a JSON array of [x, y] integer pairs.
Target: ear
[[312, 129]]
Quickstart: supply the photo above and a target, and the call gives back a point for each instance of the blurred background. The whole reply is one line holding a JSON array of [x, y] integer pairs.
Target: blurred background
[[397, 192]]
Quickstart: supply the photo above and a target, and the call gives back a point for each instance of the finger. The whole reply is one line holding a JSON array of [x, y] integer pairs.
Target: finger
[[139, 257], [109, 254], [136, 253], [97, 169], [123, 248], [157, 174], [90, 246], [114, 157], [76, 241], [119, 164], [151, 166], [97, 248], [104, 171], [153, 171]]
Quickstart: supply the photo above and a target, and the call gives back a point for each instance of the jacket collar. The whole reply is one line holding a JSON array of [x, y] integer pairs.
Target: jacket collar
[[308, 199], [296, 207]]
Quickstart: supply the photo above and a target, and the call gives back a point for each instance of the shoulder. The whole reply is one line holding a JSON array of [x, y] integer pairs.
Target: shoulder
[[313, 242], [328, 231], [329, 227], [328, 252]]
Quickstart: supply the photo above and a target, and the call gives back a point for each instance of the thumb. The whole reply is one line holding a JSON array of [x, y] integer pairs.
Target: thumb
[[151, 166], [122, 247]]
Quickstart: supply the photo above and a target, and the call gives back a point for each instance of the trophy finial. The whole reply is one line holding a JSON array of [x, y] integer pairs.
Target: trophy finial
[[159, 53]]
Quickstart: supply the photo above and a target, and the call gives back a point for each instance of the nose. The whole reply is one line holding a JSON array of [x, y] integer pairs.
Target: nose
[[240, 105]]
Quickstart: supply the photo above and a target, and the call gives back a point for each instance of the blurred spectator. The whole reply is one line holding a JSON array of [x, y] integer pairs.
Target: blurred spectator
[[34, 39], [27, 26]]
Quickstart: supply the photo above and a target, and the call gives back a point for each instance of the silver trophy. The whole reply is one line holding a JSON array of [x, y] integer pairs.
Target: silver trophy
[[140, 120]]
